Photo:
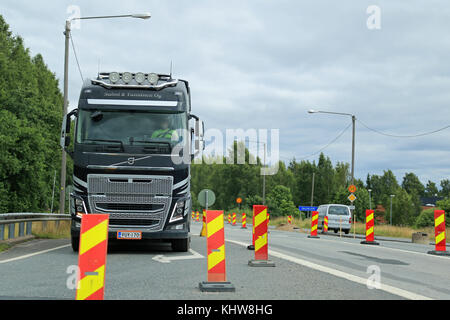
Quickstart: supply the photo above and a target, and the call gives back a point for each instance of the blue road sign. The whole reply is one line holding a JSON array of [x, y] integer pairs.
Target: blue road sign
[[307, 208]]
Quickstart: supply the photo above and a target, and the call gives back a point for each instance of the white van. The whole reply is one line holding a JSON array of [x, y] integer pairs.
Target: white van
[[339, 216]]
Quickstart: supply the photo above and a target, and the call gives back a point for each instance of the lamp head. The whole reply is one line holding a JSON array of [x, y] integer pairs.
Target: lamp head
[[142, 15]]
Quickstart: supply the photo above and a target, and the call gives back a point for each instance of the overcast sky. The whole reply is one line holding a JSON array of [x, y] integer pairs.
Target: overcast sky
[[263, 64]]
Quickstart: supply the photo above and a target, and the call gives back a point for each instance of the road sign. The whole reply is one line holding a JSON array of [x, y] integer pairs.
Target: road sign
[[205, 195], [307, 208], [352, 197], [352, 207], [239, 200], [352, 188]]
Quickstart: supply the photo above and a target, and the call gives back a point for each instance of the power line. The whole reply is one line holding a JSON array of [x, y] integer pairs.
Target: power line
[[76, 58], [328, 145], [404, 136]]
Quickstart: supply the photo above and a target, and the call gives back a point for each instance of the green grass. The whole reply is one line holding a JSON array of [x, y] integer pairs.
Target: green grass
[[51, 231], [360, 228], [4, 247]]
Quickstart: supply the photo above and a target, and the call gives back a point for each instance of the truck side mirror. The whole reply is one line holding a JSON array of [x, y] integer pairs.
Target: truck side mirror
[[65, 131]]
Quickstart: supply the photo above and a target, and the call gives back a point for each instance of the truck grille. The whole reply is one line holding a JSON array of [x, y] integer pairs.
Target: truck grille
[[131, 200]]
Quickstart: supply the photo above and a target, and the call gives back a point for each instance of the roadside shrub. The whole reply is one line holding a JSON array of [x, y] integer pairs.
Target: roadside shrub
[[425, 219]]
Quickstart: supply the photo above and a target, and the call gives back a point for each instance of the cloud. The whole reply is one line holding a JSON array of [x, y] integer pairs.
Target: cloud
[[263, 64]]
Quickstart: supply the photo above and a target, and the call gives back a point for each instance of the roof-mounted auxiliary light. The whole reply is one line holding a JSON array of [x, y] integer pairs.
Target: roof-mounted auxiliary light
[[153, 78], [139, 77], [127, 77], [114, 77]]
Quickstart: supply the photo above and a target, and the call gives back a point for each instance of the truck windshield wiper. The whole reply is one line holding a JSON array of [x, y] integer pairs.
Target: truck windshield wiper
[[155, 146], [113, 141]]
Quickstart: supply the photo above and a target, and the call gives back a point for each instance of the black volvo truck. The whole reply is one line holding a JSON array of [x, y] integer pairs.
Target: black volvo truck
[[132, 149]]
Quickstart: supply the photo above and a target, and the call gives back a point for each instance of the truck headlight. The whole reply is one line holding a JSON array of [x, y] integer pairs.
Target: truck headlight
[[80, 208], [178, 212]]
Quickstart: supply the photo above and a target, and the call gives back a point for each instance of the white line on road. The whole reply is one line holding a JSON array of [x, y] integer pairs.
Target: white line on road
[[33, 254], [390, 289], [383, 247], [168, 259]]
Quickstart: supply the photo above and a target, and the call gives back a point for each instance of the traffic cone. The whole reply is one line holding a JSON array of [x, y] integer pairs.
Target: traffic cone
[[314, 222], [370, 234], [197, 217], [203, 231], [252, 246], [439, 229], [215, 247], [325, 225], [229, 218], [234, 218], [261, 239], [290, 219], [244, 221]]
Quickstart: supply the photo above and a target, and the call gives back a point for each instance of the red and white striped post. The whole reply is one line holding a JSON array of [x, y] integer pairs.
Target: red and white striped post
[[439, 231]]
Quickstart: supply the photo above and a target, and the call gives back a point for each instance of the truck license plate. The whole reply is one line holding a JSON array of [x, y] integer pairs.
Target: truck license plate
[[129, 235]]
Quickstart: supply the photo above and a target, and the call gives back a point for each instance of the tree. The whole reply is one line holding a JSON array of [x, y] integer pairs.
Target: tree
[[30, 116], [412, 184], [280, 201], [403, 209], [445, 188], [431, 189]]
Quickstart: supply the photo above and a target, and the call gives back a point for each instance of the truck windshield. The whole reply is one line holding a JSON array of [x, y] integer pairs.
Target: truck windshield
[[130, 127]]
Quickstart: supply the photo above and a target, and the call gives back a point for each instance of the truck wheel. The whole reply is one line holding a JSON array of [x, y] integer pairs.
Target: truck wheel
[[347, 231], [181, 245], [335, 230], [75, 244]]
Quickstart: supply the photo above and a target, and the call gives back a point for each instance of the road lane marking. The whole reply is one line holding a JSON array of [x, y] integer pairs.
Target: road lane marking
[[390, 289], [167, 259], [33, 254], [390, 248]]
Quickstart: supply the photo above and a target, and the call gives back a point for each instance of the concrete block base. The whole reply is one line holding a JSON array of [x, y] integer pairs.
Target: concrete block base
[[439, 253], [216, 287], [261, 263], [373, 243]]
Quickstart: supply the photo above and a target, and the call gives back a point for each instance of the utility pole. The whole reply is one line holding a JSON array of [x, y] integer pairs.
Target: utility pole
[[392, 195], [353, 148], [264, 177], [312, 191], [53, 192], [62, 194]]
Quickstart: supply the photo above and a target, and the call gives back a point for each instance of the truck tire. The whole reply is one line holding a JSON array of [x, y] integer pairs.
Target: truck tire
[[181, 245], [75, 244], [347, 231]]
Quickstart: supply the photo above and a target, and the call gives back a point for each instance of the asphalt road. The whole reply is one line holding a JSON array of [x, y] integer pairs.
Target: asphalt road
[[325, 268]]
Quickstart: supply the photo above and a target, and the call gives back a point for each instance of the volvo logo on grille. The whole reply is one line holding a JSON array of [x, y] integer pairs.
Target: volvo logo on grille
[[131, 161]]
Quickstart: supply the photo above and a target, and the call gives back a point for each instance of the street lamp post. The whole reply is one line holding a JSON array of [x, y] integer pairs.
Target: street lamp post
[[62, 195], [353, 135], [392, 196]]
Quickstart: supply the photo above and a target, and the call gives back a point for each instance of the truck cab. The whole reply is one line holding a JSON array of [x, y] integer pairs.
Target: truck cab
[[132, 149]]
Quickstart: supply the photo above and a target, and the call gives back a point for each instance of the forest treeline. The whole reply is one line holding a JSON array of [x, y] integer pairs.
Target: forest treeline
[[30, 124], [31, 105], [292, 187]]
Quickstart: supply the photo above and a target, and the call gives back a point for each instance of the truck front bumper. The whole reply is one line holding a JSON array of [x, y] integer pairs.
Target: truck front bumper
[[147, 234]]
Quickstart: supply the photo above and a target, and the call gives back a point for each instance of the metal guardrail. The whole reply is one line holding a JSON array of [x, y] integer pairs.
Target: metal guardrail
[[25, 222]]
